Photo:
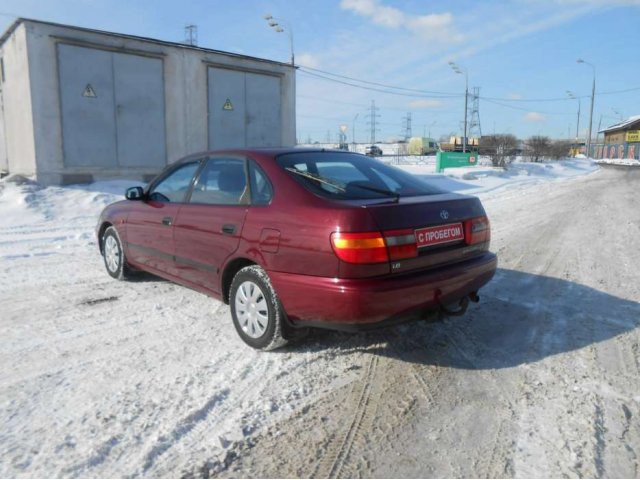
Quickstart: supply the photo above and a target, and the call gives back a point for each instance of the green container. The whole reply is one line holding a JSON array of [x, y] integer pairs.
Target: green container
[[455, 159]]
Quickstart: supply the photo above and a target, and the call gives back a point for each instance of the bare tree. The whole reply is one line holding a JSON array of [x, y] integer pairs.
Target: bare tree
[[537, 147], [501, 149], [559, 149]]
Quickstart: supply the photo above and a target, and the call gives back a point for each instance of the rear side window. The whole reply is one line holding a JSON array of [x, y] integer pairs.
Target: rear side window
[[261, 189], [222, 181], [347, 176]]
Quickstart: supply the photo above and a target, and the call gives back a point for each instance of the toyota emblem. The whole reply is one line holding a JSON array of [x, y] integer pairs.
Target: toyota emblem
[[444, 214]]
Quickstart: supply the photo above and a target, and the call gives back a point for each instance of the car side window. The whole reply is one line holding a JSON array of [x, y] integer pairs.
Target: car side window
[[261, 188], [222, 181], [174, 187]]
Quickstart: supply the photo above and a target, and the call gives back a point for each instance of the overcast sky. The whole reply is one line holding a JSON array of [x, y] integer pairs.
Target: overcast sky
[[514, 51]]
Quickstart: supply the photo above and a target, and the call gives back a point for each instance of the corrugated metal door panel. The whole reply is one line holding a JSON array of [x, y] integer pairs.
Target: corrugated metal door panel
[[226, 108], [139, 100], [263, 110], [87, 107]]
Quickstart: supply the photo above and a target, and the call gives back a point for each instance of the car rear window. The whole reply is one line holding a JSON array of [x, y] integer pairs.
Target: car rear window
[[348, 176]]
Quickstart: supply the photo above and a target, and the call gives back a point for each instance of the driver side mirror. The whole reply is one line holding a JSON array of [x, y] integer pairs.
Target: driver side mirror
[[134, 193]]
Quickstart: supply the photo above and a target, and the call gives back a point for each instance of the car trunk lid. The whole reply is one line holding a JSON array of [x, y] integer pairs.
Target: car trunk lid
[[424, 232]]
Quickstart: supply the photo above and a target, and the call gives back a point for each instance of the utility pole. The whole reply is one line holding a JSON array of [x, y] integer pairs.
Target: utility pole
[[593, 95], [430, 125], [373, 115]]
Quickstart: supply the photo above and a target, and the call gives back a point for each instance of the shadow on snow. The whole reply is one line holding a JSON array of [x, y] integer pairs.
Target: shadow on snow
[[521, 318]]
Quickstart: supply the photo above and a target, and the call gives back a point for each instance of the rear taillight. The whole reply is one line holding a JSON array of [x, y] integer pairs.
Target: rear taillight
[[360, 247], [477, 230], [374, 247], [401, 244]]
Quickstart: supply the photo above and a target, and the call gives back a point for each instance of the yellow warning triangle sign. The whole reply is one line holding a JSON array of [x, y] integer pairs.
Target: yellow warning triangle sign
[[89, 92], [227, 105]]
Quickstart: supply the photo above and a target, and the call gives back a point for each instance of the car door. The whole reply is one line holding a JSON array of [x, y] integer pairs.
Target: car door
[[150, 223], [209, 226]]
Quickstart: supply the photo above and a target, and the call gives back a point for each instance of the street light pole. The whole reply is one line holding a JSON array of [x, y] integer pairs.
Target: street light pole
[[593, 94], [354, 131], [466, 99], [279, 27], [571, 95], [461, 71]]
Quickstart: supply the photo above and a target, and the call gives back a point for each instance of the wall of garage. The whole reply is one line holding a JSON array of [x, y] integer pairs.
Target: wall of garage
[[16, 139], [106, 105]]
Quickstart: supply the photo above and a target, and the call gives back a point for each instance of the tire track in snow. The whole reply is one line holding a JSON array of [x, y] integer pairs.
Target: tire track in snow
[[339, 452], [184, 426]]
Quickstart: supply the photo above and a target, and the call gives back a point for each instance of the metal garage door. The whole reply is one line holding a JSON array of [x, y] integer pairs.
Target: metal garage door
[[112, 107], [226, 108], [244, 109], [263, 110]]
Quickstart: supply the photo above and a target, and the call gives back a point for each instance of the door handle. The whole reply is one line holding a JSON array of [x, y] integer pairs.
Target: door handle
[[229, 229], [167, 221]]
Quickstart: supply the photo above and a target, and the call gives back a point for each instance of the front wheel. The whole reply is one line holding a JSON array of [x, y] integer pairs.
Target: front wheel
[[255, 309], [113, 254]]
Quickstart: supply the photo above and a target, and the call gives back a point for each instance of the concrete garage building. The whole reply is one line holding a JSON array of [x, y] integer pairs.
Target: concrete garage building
[[79, 105]]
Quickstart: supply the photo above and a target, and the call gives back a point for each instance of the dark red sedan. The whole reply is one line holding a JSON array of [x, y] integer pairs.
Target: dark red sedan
[[293, 238]]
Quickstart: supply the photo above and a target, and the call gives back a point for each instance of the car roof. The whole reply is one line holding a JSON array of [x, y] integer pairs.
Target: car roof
[[268, 151]]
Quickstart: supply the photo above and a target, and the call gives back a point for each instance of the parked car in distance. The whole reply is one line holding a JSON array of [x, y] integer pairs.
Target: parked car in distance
[[297, 238], [373, 151]]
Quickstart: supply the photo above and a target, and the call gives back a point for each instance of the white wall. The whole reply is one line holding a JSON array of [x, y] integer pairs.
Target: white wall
[[4, 160], [18, 129], [185, 79]]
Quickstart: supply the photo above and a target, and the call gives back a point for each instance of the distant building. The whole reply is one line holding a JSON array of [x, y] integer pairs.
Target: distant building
[[621, 140], [78, 105]]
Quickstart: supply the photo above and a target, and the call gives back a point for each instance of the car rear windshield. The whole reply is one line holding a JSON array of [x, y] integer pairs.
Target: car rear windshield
[[348, 176]]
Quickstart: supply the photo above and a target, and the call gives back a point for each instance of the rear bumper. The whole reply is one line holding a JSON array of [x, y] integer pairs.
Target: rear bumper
[[343, 303]]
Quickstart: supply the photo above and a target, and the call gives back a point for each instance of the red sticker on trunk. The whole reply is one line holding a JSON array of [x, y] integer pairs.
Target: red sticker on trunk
[[452, 232]]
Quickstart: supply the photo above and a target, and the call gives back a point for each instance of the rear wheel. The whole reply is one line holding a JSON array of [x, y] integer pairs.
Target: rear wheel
[[113, 254], [256, 310]]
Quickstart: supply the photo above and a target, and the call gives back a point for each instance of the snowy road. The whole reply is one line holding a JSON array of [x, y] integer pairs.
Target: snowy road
[[542, 378]]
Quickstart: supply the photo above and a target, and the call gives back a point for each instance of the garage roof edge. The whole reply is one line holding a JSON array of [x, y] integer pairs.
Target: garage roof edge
[[156, 41]]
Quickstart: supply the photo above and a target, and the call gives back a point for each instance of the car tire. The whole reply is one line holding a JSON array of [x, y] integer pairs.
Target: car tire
[[256, 311], [113, 255]]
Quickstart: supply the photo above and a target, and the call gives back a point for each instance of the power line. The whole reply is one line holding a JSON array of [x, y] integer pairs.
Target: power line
[[389, 92], [431, 92], [328, 100], [436, 94], [559, 99], [513, 107], [612, 92]]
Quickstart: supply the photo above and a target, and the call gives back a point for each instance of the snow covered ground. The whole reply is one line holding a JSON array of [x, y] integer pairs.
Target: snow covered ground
[[629, 162], [147, 378], [486, 181]]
